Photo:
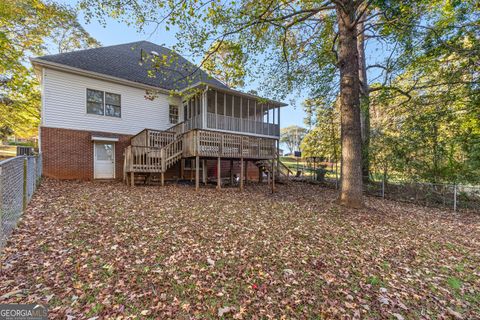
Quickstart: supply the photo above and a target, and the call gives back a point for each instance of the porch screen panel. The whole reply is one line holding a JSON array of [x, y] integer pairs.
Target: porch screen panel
[[220, 110], [251, 116], [220, 102], [211, 109], [185, 110], [228, 105], [235, 123], [244, 115], [198, 105], [236, 107], [229, 111]]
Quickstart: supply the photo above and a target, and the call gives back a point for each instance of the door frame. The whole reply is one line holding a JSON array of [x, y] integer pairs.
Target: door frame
[[95, 157]]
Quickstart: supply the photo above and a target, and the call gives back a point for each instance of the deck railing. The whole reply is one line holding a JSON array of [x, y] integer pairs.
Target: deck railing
[[143, 159], [171, 153], [159, 138], [152, 138], [229, 123], [206, 143], [184, 126]]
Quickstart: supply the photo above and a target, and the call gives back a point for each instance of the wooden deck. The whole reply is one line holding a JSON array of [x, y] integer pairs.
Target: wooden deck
[[154, 152], [213, 144]]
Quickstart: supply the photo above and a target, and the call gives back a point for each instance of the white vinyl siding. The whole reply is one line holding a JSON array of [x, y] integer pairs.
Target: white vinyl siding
[[65, 105]]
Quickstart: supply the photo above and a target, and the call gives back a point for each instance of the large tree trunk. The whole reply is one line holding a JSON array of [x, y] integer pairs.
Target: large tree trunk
[[351, 179], [364, 99]]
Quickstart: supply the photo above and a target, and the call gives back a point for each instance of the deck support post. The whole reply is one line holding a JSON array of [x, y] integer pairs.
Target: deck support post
[[260, 174], [273, 175], [231, 172], [246, 171], [269, 176], [197, 173], [182, 165], [191, 170], [219, 173], [241, 174], [204, 171], [162, 178], [278, 155], [132, 179]]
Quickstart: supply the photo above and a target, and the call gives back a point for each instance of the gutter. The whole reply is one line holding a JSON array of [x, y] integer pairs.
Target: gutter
[[236, 92]]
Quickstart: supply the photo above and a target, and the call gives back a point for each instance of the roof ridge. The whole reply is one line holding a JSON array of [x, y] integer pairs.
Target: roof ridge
[[102, 47]]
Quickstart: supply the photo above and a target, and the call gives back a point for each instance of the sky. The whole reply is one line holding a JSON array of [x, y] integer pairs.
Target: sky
[[115, 32]]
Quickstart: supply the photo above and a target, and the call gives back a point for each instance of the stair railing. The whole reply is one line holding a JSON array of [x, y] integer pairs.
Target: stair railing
[[171, 153]]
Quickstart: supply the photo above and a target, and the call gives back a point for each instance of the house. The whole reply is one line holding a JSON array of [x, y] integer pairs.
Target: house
[[141, 112]]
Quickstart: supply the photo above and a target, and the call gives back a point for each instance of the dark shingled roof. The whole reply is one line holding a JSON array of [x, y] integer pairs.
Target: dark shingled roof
[[125, 61]]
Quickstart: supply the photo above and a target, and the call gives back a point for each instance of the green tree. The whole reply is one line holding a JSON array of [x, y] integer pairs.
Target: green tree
[[292, 137], [324, 139], [226, 62], [28, 28], [426, 125]]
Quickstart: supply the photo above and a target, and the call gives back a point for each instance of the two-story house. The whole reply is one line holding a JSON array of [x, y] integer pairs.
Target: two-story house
[[115, 112]]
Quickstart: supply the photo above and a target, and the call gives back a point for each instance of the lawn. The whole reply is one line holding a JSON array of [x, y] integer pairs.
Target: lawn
[[109, 251], [307, 169]]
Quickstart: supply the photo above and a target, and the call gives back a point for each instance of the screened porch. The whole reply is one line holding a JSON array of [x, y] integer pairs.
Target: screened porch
[[232, 111]]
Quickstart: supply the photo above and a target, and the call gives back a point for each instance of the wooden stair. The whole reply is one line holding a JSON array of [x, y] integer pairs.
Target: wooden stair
[[282, 172], [149, 163]]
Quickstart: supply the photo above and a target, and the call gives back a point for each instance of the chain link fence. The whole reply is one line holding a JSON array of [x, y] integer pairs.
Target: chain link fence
[[452, 196], [19, 178]]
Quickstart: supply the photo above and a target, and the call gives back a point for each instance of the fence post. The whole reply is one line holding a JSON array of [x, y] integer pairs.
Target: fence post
[[24, 184], [1, 207], [455, 197], [383, 188], [34, 174]]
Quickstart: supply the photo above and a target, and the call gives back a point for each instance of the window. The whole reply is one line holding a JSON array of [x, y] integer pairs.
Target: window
[[103, 103], [173, 112], [112, 104], [95, 102]]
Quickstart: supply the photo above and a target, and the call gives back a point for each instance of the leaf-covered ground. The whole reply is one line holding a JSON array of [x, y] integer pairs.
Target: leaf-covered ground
[[110, 251]]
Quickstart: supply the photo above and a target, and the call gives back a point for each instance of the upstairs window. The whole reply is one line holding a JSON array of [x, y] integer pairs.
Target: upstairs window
[[103, 103], [173, 114]]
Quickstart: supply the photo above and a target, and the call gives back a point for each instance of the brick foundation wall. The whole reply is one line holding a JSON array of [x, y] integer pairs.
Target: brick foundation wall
[[252, 172], [68, 154], [252, 169]]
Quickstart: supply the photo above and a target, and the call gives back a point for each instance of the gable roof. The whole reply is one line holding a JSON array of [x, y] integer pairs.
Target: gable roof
[[125, 61]]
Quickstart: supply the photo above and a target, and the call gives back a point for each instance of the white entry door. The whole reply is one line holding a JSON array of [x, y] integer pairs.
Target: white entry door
[[104, 158]]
